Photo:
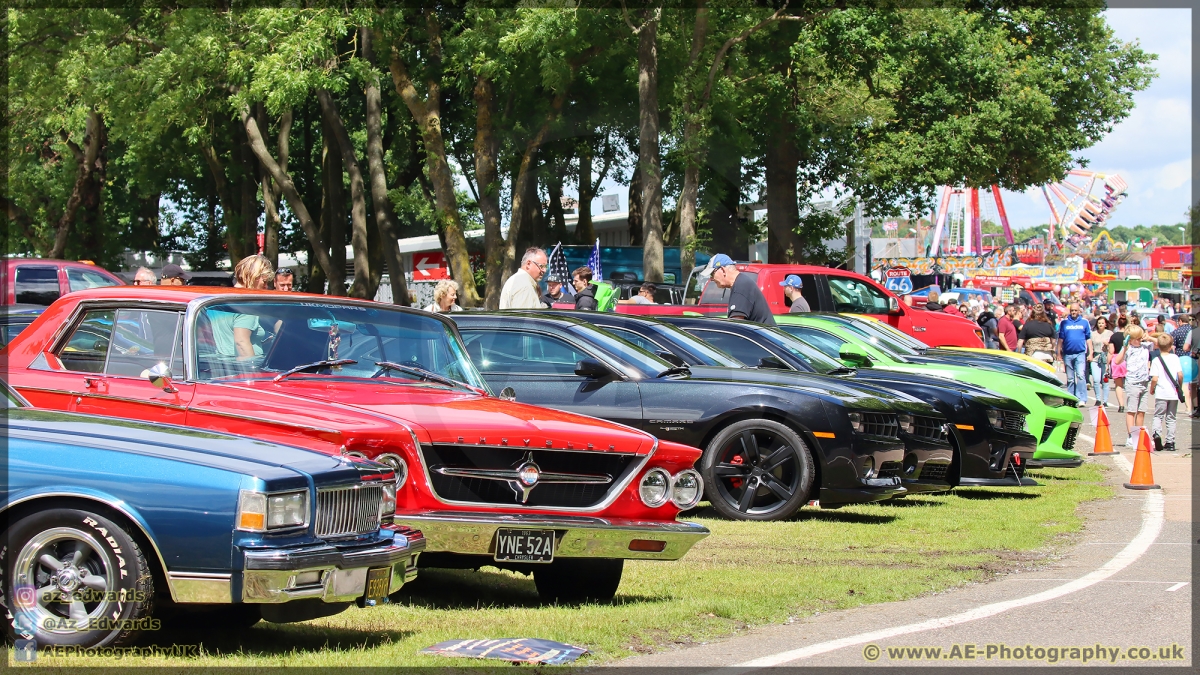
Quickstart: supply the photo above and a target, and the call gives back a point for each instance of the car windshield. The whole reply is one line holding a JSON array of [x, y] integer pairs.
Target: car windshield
[[701, 350], [880, 339], [801, 350], [908, 343], [255, 338], [646, 363]]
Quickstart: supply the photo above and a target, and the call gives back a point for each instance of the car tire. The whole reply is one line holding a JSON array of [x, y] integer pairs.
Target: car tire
[[82, 563], [735, 462], [573, 581]]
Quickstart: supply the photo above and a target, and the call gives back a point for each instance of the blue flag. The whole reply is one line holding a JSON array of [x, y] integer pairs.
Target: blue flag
[[594, 262]]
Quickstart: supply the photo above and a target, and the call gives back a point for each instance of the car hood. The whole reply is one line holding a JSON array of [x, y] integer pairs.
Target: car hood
[[936, 386], [221, 451], [826, 386], [439, 414]]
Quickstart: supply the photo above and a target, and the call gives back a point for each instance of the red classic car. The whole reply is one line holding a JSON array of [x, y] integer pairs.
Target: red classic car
[[488, 480]]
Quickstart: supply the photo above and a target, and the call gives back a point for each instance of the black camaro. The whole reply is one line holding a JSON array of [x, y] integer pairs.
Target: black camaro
[[988, 430], [766, 445]]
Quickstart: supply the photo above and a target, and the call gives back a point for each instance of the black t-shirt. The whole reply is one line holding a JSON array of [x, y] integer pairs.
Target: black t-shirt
[[1118, 341], [747, 302], [1036, 329]]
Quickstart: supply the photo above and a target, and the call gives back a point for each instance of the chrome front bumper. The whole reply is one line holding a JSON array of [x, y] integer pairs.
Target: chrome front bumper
[[577, 537]]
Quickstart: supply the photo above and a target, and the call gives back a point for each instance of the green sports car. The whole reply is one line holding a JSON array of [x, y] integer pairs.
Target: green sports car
[[1053, 414]]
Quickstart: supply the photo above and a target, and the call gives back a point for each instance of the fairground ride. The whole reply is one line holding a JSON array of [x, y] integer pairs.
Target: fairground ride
[[1077, 211], [958, 223]]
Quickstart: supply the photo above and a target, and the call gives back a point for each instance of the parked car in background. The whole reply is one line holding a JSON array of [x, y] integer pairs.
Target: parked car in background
[[489, 481], [150, 519], [987, 429], [769, 447], [34, 281], [16, 318]]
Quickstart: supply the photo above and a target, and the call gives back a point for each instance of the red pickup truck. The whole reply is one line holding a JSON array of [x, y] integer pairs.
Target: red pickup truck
[[834, 290]]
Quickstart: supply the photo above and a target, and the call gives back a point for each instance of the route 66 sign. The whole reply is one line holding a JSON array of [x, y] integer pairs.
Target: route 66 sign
[[898, 280]]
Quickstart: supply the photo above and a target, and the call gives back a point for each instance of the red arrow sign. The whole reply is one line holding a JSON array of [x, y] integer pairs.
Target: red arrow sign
[[430, 265]]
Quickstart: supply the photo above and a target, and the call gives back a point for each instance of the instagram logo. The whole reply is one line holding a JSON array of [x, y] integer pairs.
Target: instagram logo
[[25, 596]]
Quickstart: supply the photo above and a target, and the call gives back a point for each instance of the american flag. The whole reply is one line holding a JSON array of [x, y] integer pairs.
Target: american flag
[[558, 270], [594, 262]]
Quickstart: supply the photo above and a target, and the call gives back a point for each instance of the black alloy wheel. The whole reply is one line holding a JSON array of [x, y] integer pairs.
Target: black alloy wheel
[[757, 470]]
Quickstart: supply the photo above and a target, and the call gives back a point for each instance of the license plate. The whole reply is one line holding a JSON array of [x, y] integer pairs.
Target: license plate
[[379, 581], [525, 545]]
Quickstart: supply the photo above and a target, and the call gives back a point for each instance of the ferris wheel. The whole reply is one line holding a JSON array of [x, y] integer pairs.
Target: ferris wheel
[[958, 223], [1074, 207]]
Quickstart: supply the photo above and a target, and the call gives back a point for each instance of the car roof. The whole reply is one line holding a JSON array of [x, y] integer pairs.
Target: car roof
[[186, 294]]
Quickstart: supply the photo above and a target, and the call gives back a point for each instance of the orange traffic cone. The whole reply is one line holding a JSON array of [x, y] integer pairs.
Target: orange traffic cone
[[1103, 438], [1143, 475]]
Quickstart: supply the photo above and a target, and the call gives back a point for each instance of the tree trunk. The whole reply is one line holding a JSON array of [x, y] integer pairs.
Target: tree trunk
[[89, 179], [526, 179], [584, 232], [427, 114], [687, 213], [272, 193], [358, 197], [487, 147], [648, 156], [783, 212], [295, 203], [385, 218], [554, 212], [635, 207], [334, 209]]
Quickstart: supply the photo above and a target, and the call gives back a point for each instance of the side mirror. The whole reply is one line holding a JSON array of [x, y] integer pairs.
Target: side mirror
[[159, 375], [508, 394], [893, 305], [854, 356], [591, 368], [669, 358], [772, 362]]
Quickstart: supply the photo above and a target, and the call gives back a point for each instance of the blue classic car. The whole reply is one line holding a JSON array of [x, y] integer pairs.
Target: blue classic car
[[108, 523]]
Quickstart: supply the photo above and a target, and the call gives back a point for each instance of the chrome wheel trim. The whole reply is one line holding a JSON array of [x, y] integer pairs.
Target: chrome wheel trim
[[60, 574]]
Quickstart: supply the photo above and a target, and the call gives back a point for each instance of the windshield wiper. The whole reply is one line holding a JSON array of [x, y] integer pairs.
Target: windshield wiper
[[419, 372], [314, 364], [675, 370]]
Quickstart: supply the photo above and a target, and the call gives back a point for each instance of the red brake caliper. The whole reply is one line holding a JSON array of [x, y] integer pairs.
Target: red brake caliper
[[736, 482]]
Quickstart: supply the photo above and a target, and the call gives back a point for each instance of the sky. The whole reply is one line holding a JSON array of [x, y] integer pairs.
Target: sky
[[1150, 150]]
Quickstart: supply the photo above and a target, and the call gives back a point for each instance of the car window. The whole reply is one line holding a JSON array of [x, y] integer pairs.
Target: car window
[[13, 329], [521, 353], [856, 296], [143, 338], [715, 295], [87, 347], [638, 340], [36, 284], [79, 280], [808, 291], [743, 349], [826, 343]]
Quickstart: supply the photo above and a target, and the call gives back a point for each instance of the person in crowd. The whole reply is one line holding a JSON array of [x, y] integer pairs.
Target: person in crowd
[[1075, 350], [284, 279], [521, 289], [991, 333], [644, 296], [1048, 305], [745, 300], [791, 290], [951, 307], [445, 295], [932, 303], [1037, 336], [241, 335], [173, 275], [144, 277], [1191, 366], [1135, 355], [1117, 370], [585, 292], [554, 292], [1098, 359], [1008, 328], [1166, 385]]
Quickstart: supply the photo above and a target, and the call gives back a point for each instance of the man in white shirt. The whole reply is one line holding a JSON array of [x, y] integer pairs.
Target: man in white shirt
[[521, 289], [644, 296], [1166, 384]]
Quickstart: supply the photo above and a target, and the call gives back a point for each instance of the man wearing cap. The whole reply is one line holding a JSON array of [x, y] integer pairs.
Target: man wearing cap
[[173, 275], [554, 292], [745, 300], [791, 290]]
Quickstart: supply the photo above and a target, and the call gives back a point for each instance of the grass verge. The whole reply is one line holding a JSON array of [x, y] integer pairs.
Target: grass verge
[[742, 575]]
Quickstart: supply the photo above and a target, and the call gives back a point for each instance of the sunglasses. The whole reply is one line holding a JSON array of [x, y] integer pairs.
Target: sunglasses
[[284, 272]]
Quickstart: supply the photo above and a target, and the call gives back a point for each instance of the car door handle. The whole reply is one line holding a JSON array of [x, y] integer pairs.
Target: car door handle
[[90, 382]]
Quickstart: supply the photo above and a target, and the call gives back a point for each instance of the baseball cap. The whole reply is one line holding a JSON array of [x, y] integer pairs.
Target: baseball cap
[[792, 280], [174, 271], [719, 260]]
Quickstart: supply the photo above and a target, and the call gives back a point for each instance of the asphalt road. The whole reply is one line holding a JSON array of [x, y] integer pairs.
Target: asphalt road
[[1125, 583]]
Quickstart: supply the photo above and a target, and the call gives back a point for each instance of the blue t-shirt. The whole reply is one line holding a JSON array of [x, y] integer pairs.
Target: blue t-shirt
[[1074, 334]]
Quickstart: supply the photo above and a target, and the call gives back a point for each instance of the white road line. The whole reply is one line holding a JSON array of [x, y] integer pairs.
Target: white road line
[[1152, 524], [1177, 586]]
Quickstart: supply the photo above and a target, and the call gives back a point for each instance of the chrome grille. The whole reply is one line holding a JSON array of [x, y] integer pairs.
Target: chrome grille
[[929, 428], [1012, 421], [881, 424], [348, 511]]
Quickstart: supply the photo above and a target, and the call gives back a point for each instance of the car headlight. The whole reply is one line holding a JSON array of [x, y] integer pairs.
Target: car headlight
[[1052, 401], [259, 512], [907, 424], [387, 505], [398, 465], [856, 421], [686, 488], [995, 418], [655, 488]]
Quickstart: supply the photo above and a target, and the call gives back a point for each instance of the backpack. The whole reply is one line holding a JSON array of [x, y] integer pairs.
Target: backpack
[[606, 296], [984, 317]]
